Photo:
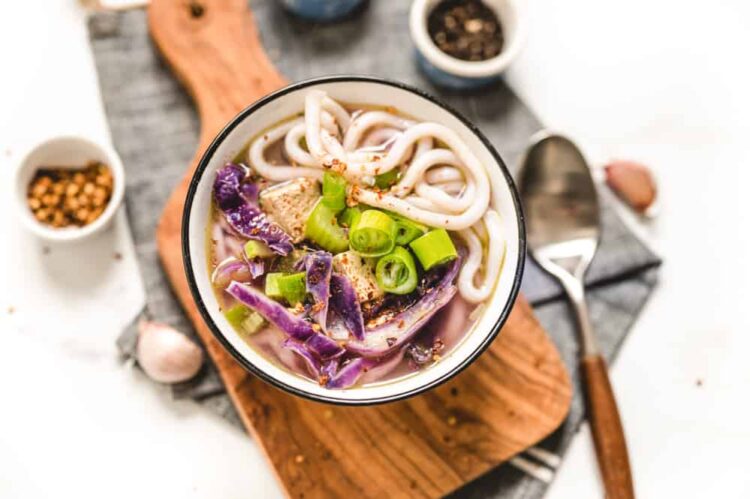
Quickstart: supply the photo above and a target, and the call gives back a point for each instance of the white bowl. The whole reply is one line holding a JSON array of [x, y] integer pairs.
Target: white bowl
[[67, 152], [451, 72], [363, 90]]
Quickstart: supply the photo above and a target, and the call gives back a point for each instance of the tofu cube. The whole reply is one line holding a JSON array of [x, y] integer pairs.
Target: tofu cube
[[360, 272], [289, 204]]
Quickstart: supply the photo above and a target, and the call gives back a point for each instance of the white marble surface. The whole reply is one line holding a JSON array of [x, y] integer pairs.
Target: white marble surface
[[664, 82]]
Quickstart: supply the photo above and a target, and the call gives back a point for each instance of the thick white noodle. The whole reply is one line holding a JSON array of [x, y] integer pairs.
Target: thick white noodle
[[277, 173], [366, 121], [379, 139], [467, 280], [440, 187], [442, 174]]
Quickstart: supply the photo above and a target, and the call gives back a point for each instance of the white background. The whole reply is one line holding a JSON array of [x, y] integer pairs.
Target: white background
[[665, 82]]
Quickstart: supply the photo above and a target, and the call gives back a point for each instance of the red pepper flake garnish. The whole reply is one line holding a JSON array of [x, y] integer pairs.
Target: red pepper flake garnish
[[438, 345]]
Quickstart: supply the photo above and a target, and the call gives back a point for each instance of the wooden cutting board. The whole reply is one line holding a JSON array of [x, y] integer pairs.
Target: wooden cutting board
[[515, 394]]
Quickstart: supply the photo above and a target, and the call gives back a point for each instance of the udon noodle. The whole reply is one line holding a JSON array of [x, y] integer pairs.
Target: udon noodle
[[442, 186]]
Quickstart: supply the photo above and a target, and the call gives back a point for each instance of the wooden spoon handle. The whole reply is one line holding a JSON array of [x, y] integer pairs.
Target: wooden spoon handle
[[609, 437]]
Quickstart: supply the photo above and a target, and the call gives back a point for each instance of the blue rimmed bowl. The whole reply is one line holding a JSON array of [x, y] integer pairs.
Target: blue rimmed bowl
[[450, 72], [321, 10]]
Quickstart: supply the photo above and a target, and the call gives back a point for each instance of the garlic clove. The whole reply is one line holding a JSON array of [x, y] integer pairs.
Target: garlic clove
[[165, 354], [633, 183]]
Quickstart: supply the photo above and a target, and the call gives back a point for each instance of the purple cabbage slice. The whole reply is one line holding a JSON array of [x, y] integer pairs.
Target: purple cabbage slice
[[257, 267], [345, 305], [349, 373], [272, 311], [329, 369], [324, 347], [238, 201], [313, 365], [419, 353], [384, 339], [230, 269], [318, 267]]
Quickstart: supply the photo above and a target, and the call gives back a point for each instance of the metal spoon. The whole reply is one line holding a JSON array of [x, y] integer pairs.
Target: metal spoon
[[562, 218]]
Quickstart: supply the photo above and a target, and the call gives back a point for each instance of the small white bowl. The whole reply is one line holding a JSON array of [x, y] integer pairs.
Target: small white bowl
[[451, 72], [369, 91], [67, 152]]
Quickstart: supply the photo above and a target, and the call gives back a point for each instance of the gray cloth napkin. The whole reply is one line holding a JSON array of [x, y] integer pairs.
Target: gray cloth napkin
[[155, 130]]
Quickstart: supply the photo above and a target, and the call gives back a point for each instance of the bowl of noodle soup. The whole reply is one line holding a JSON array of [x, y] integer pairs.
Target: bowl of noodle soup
[[258, 209]]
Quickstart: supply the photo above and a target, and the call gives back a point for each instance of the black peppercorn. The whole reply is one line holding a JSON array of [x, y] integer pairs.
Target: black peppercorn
[[466, 29]]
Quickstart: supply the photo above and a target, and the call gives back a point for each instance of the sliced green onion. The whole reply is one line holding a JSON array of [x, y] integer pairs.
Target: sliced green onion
[[236, 315], [407, 230], [272, 285], [255, 249], [350, 216], [374, 234], [289, 287], [334, 191], [387, 179], [244, 320], [396, 272], [286, 263], [253, 323], [323, 229], [293, 288], [434, 248]]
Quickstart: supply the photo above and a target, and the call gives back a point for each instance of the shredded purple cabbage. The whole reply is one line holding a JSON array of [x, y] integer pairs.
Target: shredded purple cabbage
[[231, 269], [324, 347], [386, 338], [275, 313], [349, 373], [257, 267], [419, 353], [238, 201], [329, 369], [318, 267], [313, 365], [345, 305]]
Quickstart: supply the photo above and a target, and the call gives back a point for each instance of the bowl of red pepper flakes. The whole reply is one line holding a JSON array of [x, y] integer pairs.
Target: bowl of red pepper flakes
[[466, 44], [68, 188]]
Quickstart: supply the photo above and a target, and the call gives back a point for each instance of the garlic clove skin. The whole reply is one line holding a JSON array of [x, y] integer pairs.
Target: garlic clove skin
[[633, 183], [165, 354]]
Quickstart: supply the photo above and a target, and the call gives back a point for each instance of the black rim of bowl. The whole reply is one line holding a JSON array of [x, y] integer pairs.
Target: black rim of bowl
[[203, 165]]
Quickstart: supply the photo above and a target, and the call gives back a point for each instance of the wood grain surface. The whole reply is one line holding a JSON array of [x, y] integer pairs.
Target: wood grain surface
[[606, 427], [515, 394]]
